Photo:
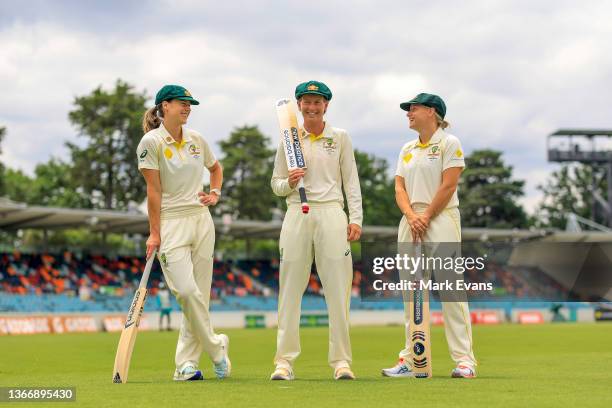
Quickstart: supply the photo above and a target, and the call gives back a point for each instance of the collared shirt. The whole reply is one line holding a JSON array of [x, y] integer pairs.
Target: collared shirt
[[421, 166], [181, 168], [331, 167]]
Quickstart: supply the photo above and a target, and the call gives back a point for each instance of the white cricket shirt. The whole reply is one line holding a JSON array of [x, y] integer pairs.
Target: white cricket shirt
[[181, 168], [331, 166], [421, 166]]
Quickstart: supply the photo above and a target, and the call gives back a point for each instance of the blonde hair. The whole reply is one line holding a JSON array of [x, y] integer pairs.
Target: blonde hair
[[441, 122], [152, 118]]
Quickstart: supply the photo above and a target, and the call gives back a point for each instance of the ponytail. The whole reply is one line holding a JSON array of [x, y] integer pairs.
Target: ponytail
[[152, 118], [441, 122]]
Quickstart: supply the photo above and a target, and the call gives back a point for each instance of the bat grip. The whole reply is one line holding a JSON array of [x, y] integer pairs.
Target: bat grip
[[147, 271], [302, 191]]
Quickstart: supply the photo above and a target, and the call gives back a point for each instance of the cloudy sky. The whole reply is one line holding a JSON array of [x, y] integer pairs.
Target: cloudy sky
[[511, 72]]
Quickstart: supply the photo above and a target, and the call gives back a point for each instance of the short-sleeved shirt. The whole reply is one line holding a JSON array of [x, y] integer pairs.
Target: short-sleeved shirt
[[421, 166], [181, 168]]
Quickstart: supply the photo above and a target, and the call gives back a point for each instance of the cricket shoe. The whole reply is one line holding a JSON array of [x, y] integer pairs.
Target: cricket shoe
[[282, 374], [223, 368], [188, 373], [343, 373], [462, 371], [398, 370]]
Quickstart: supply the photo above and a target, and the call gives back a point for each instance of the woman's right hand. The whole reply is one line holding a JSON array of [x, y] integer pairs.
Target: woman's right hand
[[153, 243], [294, 176]]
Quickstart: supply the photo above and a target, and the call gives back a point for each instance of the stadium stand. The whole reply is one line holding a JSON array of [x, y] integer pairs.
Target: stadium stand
[[69, 282]]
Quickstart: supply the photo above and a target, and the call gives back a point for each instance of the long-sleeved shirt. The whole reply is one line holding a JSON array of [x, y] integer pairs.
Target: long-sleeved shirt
[[331, 166]]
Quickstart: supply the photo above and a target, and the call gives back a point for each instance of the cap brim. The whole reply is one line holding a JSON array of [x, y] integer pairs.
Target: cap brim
[[406, 105], [188, 98], [313, 93]]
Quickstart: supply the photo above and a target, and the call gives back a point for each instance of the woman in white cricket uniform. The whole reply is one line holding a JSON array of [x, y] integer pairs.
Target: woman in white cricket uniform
[[172, 159], [426, 179], [324, 233]]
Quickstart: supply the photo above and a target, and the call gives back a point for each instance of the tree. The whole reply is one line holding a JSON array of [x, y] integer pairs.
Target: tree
[[488, 194], [2, 187], [54, 187], [247, 170], [16, 185], [570, 190], [106, 168], [377, 190]]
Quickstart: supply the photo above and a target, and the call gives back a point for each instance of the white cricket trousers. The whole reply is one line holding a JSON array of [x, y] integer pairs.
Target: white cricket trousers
[[446, 227], [322, 234], [186, 256]]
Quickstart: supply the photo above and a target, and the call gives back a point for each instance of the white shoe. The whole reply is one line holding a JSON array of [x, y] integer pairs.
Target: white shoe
[[398, 370], [343, 373], [283, 374], [223, 368], [188, 373], [463, 371]]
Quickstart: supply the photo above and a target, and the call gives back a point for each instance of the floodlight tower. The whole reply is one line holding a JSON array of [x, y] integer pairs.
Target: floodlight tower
[[589, 146]]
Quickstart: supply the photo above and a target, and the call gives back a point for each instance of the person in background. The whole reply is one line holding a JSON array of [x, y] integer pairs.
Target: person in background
[[165, 306]]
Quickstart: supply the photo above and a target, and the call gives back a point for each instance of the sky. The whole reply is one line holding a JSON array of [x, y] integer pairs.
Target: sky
[[510, 72]]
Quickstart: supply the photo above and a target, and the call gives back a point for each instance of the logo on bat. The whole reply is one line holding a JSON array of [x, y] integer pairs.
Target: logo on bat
[[130, 319], [418, 348]]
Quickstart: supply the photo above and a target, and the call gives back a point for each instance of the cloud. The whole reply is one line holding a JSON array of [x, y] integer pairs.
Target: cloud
[[511, 72]]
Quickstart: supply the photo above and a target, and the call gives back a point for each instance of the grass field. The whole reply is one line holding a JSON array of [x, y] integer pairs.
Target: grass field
[[546, 365]]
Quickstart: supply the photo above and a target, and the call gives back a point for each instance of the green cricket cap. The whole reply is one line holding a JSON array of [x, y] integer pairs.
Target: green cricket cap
[[169, 92], [314, 88], [425, 99]]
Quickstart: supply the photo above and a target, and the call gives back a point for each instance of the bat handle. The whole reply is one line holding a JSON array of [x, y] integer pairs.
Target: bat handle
[[302, 191]]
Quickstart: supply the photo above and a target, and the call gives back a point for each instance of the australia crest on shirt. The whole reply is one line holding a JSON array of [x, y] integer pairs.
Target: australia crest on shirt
[[434, 152], [330, 145], [194, 151]]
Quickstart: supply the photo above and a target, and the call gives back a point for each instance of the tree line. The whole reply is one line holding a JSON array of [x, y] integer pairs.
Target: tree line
[[102, 173]]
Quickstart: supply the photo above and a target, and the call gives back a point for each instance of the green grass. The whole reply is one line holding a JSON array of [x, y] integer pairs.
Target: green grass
[[547, 365]]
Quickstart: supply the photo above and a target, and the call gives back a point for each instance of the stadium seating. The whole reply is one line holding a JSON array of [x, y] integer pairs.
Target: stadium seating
[[69, 282]]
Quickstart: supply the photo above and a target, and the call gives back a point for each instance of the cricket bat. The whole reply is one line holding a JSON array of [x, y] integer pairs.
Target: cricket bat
[[290, 138], [420, 337], [130, 330]]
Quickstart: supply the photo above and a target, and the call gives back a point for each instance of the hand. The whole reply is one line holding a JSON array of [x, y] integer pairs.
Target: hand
[[353, 232], [418, 225], [423, 219], [294, 176], [153, 242], [208, 199]]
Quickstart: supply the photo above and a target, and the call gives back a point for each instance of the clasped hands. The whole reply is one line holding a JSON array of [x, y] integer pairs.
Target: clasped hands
[[418, 224]]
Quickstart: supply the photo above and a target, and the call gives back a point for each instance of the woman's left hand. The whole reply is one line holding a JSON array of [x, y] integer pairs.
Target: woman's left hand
[[353, 232], [208, 200], [423, 220]]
